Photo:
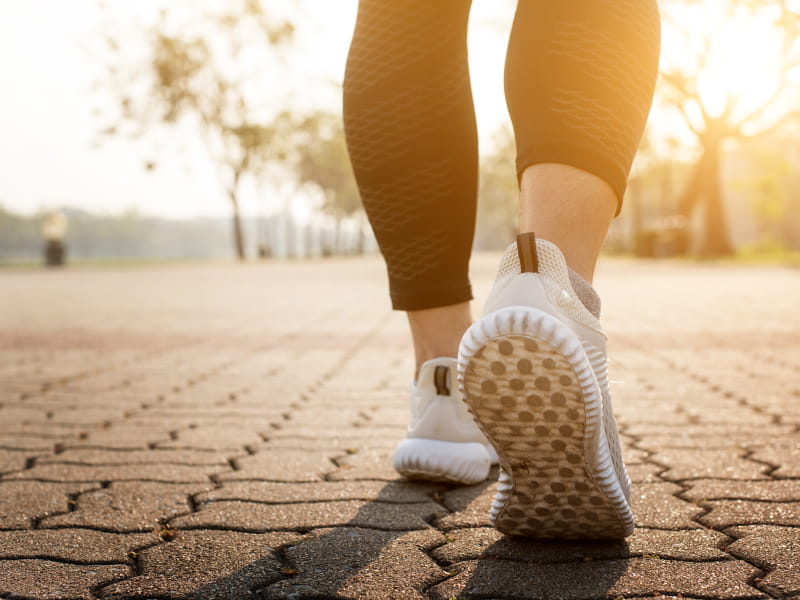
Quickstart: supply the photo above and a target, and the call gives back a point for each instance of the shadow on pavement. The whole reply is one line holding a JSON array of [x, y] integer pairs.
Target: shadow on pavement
[[525, 569], [376, 554], [365, 559], [381, 552]]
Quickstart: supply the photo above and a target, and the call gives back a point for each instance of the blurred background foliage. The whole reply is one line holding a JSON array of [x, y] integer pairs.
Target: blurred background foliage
[[717, 170]]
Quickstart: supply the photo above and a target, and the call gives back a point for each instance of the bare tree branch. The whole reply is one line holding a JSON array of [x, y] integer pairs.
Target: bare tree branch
[[782, 122], [193, 74], [679, 84]]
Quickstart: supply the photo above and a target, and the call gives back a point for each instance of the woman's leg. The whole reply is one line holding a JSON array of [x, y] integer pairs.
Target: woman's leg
[[579, 81], [411, 134]]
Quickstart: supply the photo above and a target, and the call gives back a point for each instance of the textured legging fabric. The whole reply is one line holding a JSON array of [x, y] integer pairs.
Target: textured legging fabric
[[579, 80]]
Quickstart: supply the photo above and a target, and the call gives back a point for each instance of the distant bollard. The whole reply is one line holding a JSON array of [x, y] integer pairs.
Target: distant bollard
[[54, 229]]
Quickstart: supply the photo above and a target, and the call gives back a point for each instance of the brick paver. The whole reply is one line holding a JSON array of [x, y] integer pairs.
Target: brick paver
[[225, 431]]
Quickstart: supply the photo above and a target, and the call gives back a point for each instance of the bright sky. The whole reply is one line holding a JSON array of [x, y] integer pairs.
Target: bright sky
[[47, 126]]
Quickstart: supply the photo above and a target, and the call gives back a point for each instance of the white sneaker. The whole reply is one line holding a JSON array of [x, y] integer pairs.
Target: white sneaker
[[535, 377], [443, 443]]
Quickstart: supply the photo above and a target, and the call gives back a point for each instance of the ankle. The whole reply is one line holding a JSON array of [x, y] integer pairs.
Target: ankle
[[437, 332], [570, 208]]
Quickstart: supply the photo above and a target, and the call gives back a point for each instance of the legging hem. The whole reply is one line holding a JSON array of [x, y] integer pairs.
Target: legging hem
[[578, 156], [421, 299]]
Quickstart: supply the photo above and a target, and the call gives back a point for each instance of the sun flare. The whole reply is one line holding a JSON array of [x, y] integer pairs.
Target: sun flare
[[742, 68], [738, 58]]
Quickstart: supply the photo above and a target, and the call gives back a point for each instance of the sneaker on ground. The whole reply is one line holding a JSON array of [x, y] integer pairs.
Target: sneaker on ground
[[534, 374], [443, 443]]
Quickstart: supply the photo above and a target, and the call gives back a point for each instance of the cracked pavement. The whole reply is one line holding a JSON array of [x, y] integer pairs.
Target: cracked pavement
[[226, 431]]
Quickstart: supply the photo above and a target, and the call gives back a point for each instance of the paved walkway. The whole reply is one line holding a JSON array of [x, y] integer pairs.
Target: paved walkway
[[225, 432]]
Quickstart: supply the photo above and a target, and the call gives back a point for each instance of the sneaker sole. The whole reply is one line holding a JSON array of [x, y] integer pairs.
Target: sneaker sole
[[436, 460], [530, 386]]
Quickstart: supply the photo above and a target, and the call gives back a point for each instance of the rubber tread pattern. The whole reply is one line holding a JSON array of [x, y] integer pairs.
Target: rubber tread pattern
[[531, 388]]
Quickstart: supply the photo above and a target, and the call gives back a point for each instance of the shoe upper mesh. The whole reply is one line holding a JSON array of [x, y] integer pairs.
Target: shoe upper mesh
[[555, 272]]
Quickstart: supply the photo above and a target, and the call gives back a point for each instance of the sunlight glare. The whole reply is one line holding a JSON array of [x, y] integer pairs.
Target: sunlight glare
[[742, 67]]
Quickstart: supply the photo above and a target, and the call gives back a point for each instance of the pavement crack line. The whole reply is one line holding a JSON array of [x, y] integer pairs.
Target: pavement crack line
[[288, 570], [435, 495], [771, 468], [62, 560], [321, 501], [765, 568], [753, 580], [72, 504]]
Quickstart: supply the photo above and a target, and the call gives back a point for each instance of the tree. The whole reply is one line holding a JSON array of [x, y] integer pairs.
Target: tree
[[207, 71], [721, 97], [319, 157]]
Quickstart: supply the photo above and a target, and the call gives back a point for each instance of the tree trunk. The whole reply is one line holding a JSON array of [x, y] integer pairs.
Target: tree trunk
[[238, 234], [694, 189], [716, 241], [705, 186]]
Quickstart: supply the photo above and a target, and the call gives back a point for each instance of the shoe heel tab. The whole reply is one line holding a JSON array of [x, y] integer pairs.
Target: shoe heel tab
[[528, 256], [441, 379]]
